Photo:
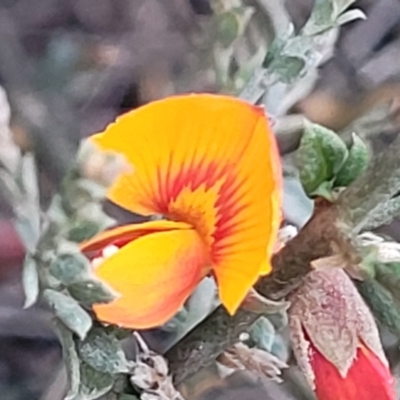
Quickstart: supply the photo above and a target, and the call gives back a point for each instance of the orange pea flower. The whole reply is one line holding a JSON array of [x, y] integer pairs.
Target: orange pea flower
[[209, 164]]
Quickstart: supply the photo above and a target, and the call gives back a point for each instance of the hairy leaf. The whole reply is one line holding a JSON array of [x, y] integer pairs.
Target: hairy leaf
[[263, 333], [228, 28], [350, 16], [94, 384], [355, 164], [320, 156], [70, 267], [71, 360], [388, 275], [69, 312], [82, 230], [30, 281], [321, 19], [91, 291], [103, 352], [383, 214], [381, 303], [128, 397]]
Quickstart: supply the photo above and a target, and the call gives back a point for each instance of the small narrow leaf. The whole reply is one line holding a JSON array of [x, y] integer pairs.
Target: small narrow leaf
[[228, 28], [25, 227], [69, 312], [381, 303], [388, 275], [356, 163], [103, 352], [30, 281], [383, 214], [71, 359], [350, 16], [82, 230], [342, 5], [128, 397], [70, 267], [27, 208], [91, 291], [297, 206], [321, 19], [320, 156], [263, 333], [94, 384]]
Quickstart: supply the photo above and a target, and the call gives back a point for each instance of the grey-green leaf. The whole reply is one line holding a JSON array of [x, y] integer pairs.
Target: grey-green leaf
[[383, 214], [263, 333], [320, 156], [388, 275], [70, 267], [355, 164], [30, 281], [93, 383], [127, 397], [382, 304], [91, 291], [288, 67], [350, 16], [82, 230], [342, 5], [103, 352], [228, 28], [297, 207], [322, 17], [71, 359], [69, 312]]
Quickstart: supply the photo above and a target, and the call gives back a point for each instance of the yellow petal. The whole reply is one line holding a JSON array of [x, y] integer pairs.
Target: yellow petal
[[210, 161], [250, 217], [153, 275]]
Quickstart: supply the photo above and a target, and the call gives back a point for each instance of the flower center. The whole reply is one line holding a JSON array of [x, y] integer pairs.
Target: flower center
[[198, 208]]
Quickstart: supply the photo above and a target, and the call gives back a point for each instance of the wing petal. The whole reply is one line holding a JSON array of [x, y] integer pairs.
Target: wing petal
[[153, 275]]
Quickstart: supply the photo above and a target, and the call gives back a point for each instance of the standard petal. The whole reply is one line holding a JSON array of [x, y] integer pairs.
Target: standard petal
[[153, 275], [249, 218], [175, 143]]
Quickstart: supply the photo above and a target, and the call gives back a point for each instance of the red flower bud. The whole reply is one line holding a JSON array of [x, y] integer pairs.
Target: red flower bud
[[336, 341]]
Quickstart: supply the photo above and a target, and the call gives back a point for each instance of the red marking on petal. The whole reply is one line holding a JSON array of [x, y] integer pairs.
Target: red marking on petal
[[120, 236]]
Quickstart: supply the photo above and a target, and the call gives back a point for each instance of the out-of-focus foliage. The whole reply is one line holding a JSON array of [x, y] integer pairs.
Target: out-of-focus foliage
[[57, 272]]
